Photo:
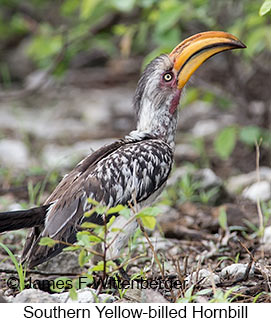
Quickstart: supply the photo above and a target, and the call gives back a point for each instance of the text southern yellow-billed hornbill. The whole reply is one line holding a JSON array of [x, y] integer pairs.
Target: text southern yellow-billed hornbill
[[135, 168]]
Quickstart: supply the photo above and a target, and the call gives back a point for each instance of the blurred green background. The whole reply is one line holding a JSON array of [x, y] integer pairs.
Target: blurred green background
[[64, 29], [120, 37], [57, 36]]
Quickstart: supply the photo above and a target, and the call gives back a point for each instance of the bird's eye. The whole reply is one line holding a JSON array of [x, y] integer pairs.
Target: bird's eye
[[168, 77]]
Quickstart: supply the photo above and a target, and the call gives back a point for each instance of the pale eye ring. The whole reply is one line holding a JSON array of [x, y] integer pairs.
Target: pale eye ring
[[167, 77]]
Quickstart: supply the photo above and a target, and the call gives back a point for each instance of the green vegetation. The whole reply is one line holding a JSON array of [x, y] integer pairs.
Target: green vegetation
[[140, 28], [219, 296], [19, 267], [93, 235], [189, 189], [132, 26], [227, 138]]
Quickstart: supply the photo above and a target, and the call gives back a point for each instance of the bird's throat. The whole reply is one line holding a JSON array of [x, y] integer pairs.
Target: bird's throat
[[175, 102]]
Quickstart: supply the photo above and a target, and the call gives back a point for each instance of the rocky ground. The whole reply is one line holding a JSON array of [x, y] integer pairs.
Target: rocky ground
[[212, 234]]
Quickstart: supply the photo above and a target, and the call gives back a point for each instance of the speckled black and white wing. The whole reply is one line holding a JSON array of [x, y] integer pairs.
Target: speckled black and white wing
[[116, 174]]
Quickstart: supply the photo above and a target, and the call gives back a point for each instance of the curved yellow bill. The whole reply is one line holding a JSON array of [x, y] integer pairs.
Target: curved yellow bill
[[195, 50]]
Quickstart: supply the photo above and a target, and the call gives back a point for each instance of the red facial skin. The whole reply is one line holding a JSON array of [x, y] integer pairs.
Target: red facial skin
[[175, 101], [172, 85]]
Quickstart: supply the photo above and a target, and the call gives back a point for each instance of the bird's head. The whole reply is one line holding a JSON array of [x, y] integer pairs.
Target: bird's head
[[160, 86]]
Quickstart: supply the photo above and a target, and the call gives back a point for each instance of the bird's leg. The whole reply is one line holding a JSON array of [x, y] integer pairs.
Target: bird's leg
[[119, 238]]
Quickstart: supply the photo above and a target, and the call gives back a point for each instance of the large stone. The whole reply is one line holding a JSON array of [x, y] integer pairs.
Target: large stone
[[32, 296], [205, 128], [208, 127], [205, 276], [267, 236], [86, 295], [139, 295], [258, 191], [65, 262], [239, 182], [207, 178], [236, 271], [13, 153]]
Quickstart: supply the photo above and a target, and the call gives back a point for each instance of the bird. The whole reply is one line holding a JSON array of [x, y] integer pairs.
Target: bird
[[130, 170]]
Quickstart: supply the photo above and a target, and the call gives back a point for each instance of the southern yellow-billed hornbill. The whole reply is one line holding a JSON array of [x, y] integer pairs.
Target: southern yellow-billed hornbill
[[134, 168]]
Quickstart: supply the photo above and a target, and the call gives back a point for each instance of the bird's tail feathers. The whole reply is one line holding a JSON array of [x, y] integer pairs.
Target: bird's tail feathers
[[15, 220]]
